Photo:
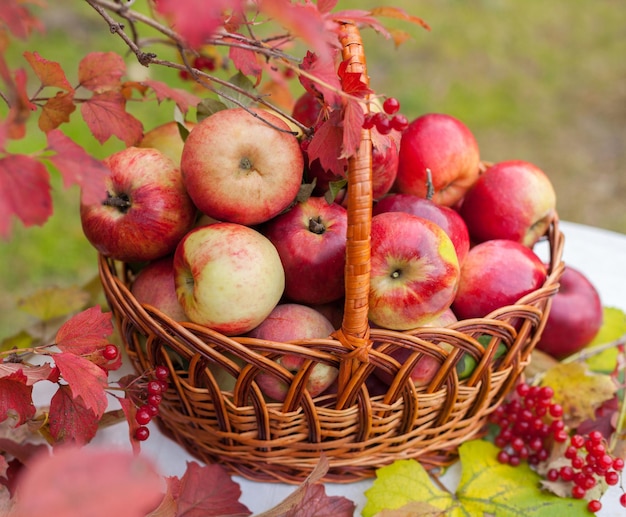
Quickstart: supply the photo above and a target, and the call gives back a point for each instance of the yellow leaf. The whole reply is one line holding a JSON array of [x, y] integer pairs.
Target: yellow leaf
[[613, 328], [53, 302]]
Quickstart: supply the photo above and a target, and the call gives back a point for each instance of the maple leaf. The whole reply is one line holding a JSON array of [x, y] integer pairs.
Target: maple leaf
[[105, 114], [69, 420], [77, 167], [98, 482], [316, 503], [49, 73], [31, 374], [18, 19], [16, 396], [322, 69], [197, 20], [101, 71], [183, 99], [85, 379], [85, 332], [326, 145], [56, 111], [24, 192], [209, 491]]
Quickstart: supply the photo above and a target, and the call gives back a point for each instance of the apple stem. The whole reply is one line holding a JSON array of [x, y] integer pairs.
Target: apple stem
[[121, 202], [316, 225], [430, 188]]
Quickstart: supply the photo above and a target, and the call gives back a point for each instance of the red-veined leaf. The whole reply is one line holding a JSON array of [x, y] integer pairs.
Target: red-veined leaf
[[326, 145], [32, 374], [85, 380], [352, 82], [168, 506], [18, 18], [56, 111], [76, 482], [24, 192], [352, 128], [101, 71], [69, 420], [85, 332], [16, 396], [49, 73], [207, 491], [183, 99], [315, 502], [105, 114], [77, 167], [323, 70]]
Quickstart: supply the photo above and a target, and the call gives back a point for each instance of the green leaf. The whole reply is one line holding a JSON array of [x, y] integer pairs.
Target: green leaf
[[53, 302], [208, 107], [242, 82], [613, 327]]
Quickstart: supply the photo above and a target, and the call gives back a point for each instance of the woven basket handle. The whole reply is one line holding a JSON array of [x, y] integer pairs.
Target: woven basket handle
[[354, 332]]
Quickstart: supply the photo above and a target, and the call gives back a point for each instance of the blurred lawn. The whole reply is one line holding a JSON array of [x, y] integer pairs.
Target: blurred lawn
[[539, 81]]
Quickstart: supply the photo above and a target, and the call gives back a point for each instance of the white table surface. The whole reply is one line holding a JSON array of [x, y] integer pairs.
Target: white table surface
[[600, 254]]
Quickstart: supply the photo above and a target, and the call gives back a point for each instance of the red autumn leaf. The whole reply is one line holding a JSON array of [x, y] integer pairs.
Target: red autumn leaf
[[19, 103], [56, 111], [247, 62], [24, 192], [130, 411], [18, 18], [32, 374], [77, 167], [101, 71], [326, 145], [69, 420], [49, 73], [197, 20], [323, 70], [315, 503], [207, 491], [105, 114], [352, 82], [352, 127], [168, 506], [398, 14], [85, 332], [85, 379], [76, 482], [183, 99], [326, 6], [16, 396]]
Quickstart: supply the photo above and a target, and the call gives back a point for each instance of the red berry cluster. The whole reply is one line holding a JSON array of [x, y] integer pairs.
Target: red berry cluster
[[150, 408], [200, 63], [387, 120]]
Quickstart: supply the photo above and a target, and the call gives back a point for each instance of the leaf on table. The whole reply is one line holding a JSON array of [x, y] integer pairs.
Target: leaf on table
[[56, 111], [75, 482], [207, 491], [183, 99], [52, 302], [50, 73], [168, 506], [579, 390], [77, 167], [69, 421], [105, 115], [85, 332], [413, 509], [101, 71], [613, 328], [16, 397], [401, 483], [24, 192], [85, 379]]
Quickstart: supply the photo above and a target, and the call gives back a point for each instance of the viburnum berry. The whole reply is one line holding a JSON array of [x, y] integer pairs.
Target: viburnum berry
[[143, 416], [110, 352], [594, 506], [154, 387], [155, 399], [161, 373], [622, 500], [391, 105], [142, 433], [399, 122], [368, 121]]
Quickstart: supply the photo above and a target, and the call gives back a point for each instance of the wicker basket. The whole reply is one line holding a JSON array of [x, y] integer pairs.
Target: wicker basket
[[357, 429]]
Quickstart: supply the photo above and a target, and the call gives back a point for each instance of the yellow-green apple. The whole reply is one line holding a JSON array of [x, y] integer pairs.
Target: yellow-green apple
[[575, 315], [238, 168], [145, 210], [154, 285], [167, 139], [228, 277], [512, 200], [443, 145], [495, 274], [311, 241], [291, 322], [449, 219], [414, 271]]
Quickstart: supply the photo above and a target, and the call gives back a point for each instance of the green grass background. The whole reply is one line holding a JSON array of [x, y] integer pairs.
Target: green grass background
[[539, 81]]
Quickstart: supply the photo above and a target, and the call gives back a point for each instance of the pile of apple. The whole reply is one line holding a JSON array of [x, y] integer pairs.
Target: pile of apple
[[221, 237]]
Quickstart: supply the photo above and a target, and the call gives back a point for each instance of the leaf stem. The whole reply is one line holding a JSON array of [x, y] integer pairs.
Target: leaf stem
[[587, 353]]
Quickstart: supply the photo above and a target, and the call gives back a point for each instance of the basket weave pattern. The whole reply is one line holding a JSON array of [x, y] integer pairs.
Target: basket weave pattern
[[357, 429]]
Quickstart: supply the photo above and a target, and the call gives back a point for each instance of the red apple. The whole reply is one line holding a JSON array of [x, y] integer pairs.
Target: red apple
[[291, 322], [511, 200], [414, 271], [444, 146], [228, 277], [167, 139], [155, 286], [238, 168], [450, 220], [311, 241], [575, 317], [145, 210], [494, 274]]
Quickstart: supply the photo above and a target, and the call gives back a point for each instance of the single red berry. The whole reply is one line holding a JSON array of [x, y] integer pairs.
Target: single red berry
[[368, 121], [161, 373], [154, 387], [399, 122], [556, 410], [143, 416], [560, 436], [546, 393], [142, 433], [594, 506], [595, 436], [622, 500], [618, 464], [522, 389], [164, 385], [154, 410], [552, 475], [514, 461], [383, 125], [611, 478], [503, 457], [578, 462], [391, 105], [578, 492], [566, 473], [155, 399], [110, 352], [577, 441]]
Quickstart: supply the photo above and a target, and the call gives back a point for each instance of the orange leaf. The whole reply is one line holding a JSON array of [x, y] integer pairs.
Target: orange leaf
[[56, 111], [50, 73], [399, 14], [105, 114], [100, 71]]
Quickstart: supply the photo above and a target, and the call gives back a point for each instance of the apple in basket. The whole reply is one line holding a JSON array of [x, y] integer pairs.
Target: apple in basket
[[145, 210], [495, 274], [414, 271], [575, 316], [449, 219], [290, 322], [511, 200], [311, 241], [228, 277], [242, 167], [443, 145], [167, 139]]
